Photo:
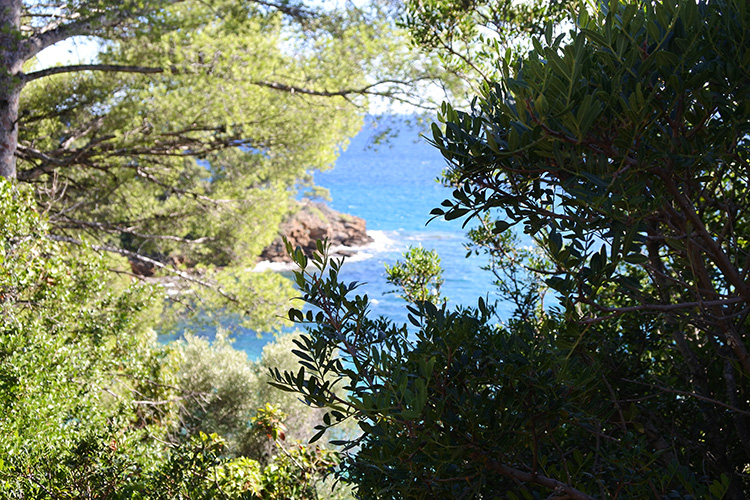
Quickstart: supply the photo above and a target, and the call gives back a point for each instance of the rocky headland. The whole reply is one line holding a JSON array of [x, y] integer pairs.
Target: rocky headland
[[316, 221]]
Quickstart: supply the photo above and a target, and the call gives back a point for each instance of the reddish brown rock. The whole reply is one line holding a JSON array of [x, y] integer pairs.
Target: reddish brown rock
[[142, 268], [317, 221]]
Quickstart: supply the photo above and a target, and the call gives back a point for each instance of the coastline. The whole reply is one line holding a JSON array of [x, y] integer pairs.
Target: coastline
[[380, 242]]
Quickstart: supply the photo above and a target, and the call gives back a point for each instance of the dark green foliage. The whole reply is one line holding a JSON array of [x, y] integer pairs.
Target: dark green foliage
[[461, 408], [621, 148]]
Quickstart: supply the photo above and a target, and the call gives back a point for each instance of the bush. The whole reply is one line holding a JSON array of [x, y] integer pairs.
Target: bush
[[461, 408], [223, 391], [89, 400], [80, 373]]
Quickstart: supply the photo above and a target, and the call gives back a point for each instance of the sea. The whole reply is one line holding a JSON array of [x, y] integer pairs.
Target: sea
[[393, 185]]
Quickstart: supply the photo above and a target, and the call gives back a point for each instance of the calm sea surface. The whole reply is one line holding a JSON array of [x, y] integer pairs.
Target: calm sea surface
[[393, 187]]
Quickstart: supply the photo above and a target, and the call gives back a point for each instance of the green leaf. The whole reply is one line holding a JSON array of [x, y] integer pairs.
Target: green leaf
[[317, 436], [500, 226], [636, 258], [456, 213]]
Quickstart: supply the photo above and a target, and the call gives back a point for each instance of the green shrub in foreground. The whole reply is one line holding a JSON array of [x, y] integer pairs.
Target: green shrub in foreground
[[90, 402]]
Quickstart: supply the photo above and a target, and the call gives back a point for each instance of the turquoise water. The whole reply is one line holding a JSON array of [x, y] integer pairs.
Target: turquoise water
[[393, 187]]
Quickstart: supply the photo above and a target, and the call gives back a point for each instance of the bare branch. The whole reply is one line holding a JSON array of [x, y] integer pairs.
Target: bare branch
[[535, 478], [35, 44], [133, 255], [90, 26], [73, 68], [616, 311], [114, 229], [298, 11], [366, 90], [690, 394]]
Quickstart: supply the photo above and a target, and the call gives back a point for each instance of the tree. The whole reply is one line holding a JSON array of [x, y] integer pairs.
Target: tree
[[84, 381], [176, 37], [419, 276], [630, 142], [185, 140], [469, 37], [622, 148]]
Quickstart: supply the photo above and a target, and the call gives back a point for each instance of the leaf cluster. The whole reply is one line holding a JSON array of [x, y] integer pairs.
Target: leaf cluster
[[461, 408], [419, 276], [622, 150]]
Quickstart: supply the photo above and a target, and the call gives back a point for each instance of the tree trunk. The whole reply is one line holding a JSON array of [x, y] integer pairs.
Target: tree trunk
[[10, 84], [8, 131]]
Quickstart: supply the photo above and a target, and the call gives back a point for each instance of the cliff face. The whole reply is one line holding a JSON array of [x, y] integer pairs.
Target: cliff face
[[316, 221]]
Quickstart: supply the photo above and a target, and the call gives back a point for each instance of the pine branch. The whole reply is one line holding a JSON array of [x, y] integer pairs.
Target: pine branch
[[136, 256], [73, 68]]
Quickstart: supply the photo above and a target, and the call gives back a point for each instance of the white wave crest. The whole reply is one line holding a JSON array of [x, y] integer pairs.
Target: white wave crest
[[266, 265], [383, 241]]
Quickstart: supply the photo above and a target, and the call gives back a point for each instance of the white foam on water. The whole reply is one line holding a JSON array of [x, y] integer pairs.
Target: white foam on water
[[382, 242], [266, 265], [356, 257]]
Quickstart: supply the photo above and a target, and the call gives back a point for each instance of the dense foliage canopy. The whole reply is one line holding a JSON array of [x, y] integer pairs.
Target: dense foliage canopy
[[181, 144], [621, 150], [92, 406]]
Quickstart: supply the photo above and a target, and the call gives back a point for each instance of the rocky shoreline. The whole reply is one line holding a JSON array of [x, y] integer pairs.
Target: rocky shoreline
[[311, 222], [316, 221]]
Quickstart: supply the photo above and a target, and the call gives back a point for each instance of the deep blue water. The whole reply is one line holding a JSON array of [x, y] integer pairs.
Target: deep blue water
[[394, 187]]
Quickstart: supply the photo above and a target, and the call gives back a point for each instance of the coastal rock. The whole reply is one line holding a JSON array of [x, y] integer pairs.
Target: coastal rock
[[141, 267], [316, 221]]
